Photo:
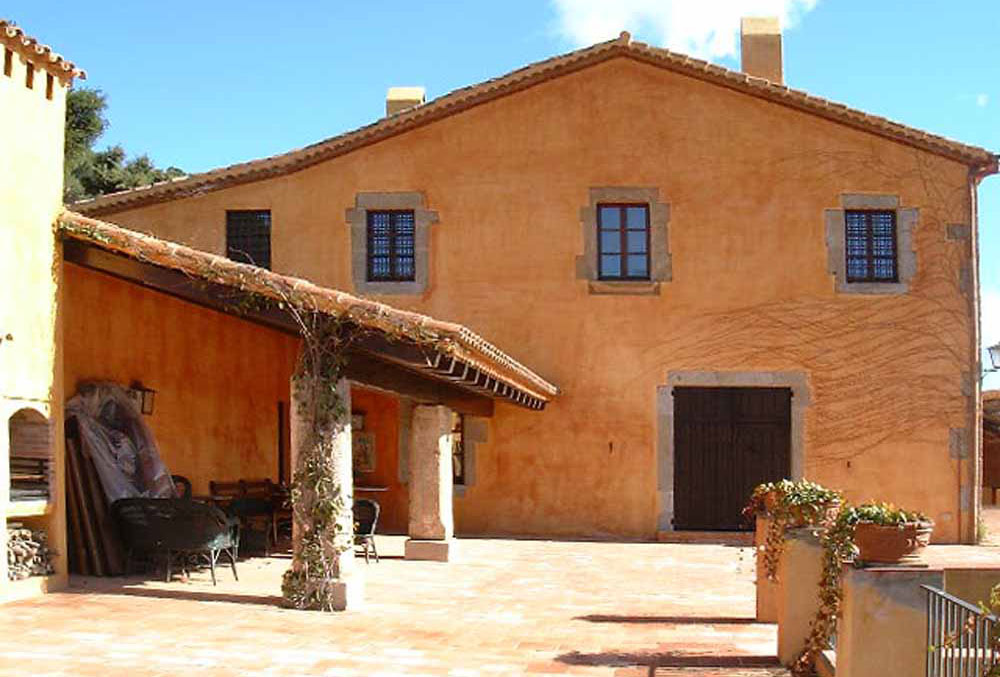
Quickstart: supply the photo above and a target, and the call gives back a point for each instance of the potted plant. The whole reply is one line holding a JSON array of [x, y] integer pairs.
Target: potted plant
[[885, 534], [789, 505]]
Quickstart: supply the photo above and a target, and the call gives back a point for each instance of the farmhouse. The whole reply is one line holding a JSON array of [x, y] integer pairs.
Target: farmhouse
[[664, 282]]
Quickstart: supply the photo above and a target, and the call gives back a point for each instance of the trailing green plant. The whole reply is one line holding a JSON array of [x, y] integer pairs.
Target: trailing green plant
[[839, 550], [787, 503]]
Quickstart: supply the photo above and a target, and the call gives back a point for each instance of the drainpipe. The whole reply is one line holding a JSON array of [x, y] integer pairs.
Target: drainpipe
[[968, 533]]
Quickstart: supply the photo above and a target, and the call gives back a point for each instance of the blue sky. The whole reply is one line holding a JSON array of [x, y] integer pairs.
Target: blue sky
[[202, 84]]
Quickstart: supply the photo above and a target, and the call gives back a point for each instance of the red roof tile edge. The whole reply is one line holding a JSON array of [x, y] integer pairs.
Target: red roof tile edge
[[446, 337], [982, 160], [41, 54]]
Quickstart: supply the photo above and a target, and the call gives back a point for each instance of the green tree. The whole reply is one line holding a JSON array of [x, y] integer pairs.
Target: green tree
[[90, 172]]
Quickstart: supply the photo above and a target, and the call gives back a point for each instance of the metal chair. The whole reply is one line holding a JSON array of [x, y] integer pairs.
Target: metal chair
[[176, 527], [366, 513], [182, 485]]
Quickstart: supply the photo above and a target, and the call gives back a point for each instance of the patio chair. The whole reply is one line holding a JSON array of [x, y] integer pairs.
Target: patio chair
[[250, 510], [365, 520], [176, 527], [182, 485]]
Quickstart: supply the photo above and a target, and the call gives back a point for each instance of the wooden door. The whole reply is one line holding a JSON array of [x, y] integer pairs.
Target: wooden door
[[726, 442]]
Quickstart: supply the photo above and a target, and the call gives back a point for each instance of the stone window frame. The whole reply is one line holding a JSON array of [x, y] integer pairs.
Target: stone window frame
[[836, 236], [474, 433], [357, 221], [796, 381], [660, 267]]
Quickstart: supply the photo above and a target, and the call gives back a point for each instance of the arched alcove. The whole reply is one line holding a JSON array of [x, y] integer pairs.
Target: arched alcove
[[30, 456]]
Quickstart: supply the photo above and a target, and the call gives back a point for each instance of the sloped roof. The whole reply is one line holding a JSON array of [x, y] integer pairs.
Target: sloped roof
[[39, 54], [983, 161], [447, 338]]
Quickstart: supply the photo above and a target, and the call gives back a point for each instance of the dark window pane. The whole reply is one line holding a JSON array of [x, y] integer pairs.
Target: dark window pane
[[391, 255], [636, 242], [248, 237], [611, 266], [635, 217], [637, 266], [609, 217], [611, 242], [870, 244]]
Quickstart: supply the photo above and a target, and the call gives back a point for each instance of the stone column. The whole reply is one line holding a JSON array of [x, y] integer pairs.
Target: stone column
[[431, 524], [348, 589]]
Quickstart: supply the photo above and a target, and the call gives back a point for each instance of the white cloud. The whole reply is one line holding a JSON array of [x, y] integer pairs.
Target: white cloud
[[704, 28], [982, 100]]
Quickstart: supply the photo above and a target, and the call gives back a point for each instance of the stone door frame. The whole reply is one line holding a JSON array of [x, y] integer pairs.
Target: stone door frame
[[796, 381]]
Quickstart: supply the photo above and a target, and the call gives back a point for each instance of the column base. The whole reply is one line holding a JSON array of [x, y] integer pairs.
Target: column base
[[433, 551], [349, 593]]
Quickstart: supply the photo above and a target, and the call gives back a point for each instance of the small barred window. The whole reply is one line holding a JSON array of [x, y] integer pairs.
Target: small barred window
[[870, 241], [391, 248], [248, 237]]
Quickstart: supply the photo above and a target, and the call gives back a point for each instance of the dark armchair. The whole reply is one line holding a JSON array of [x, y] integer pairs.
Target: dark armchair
[[175, 527], [365, 520]]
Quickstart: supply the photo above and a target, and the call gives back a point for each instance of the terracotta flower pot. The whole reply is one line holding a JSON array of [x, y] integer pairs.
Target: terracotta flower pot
[[901, 544]]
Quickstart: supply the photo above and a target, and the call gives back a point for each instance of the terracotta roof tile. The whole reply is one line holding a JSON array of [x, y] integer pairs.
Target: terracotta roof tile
[[448, 338], [42, 55], [981, 160]]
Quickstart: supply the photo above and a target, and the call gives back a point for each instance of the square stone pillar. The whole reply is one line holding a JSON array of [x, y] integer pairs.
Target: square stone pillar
[[431, 522], [883, 629], [799, 573], [767, 590], [348, 588]]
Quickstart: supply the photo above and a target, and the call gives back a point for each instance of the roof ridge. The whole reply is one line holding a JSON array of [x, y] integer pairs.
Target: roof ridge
[[527, 76], [32, 48]]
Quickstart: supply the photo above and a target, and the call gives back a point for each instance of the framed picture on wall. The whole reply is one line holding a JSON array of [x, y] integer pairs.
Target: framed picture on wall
[[363, 450]]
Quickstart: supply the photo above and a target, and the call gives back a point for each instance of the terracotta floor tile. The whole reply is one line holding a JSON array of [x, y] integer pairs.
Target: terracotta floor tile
[[507, 607]]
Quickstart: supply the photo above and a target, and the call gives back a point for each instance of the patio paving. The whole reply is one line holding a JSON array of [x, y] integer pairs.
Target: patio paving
[[507, 607]]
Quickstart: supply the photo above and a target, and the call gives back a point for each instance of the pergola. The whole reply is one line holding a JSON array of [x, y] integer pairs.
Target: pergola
[[442, 366]]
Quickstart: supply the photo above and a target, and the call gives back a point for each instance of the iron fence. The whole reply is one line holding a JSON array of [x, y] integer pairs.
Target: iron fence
[[959, 637]]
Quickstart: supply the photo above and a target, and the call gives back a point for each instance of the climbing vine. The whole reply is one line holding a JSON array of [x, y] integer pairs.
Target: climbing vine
[[787, 505], [839, 550], [318, 501]]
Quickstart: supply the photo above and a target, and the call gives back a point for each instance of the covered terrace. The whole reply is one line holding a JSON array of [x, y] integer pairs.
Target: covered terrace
[[215, 339]]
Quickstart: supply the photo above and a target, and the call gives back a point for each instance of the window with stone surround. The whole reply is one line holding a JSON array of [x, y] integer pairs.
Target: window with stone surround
[[626, 241], [870, 244], [248, 236], [390, 237]]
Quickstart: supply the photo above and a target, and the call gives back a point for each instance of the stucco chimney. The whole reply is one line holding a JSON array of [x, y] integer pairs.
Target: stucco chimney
[[400, 98], [760, 44]]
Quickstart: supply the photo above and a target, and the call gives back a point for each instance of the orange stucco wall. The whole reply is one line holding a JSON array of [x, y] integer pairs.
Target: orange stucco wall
[[381, 411], [747, 182], [218, 378]]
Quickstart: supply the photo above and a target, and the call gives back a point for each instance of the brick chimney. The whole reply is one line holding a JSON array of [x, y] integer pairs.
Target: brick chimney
[[401, 98], [760, 43]]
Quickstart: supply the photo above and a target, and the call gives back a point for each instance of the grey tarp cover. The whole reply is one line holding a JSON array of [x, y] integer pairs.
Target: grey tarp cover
[[120, 443]]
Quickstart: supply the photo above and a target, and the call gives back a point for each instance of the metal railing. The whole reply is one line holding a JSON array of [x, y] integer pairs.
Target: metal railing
[[959, 637]]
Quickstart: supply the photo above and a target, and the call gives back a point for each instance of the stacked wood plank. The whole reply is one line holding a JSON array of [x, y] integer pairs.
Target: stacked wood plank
[[28, 552], [95, 548]]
